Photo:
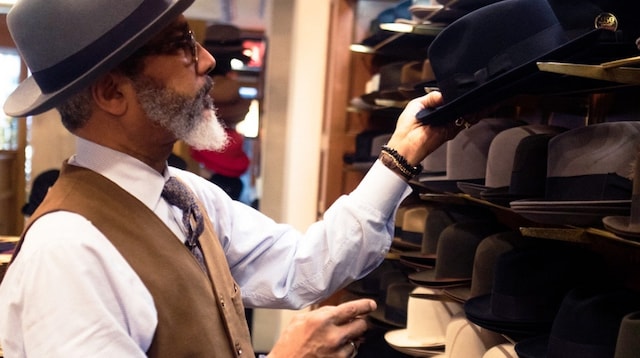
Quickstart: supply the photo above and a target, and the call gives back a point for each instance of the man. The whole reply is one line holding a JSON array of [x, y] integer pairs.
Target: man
[[102, 270]]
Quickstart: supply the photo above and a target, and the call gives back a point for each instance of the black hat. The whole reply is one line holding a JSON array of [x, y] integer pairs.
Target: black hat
[[482, 57], [39, 189], [586, 326]]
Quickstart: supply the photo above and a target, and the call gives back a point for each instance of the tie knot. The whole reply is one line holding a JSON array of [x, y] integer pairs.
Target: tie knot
[[176, 194]]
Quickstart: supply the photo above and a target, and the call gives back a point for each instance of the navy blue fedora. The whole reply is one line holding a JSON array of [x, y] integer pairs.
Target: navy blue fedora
[[68, 43], [490, 54]]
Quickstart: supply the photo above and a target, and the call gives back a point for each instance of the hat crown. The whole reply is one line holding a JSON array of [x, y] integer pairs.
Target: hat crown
[[62, 39], [493, 40], [81, 40], [467, 153], [500, 161], [594, 149]]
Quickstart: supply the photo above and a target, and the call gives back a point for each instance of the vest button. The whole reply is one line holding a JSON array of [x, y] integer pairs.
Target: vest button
[[222, 302]]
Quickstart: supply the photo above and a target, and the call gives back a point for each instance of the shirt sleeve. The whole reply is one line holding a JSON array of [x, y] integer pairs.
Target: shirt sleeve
[[278, 266]]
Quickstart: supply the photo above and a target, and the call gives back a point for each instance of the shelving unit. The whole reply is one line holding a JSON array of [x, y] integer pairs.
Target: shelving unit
[[351, 66]]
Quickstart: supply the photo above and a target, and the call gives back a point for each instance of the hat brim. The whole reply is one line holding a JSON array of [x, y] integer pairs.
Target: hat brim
[[504, 86], [28, 98], [478, 310], [400, 338], [449, 186], [535, 347], [428, 278]]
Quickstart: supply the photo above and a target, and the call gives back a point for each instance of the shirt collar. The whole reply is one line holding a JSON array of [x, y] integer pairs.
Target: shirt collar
[[132, 175]]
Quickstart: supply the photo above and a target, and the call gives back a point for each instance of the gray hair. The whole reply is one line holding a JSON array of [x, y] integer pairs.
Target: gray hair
[[76, 110]]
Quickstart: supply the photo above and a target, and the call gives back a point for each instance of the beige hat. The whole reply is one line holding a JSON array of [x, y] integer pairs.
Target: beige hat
[[466, 339], [428, 314]]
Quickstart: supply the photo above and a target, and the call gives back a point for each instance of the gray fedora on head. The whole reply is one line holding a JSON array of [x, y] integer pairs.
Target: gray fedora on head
[[68, 43]]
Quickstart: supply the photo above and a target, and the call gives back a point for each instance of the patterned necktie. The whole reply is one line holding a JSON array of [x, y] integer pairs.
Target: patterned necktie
[[176, 194]]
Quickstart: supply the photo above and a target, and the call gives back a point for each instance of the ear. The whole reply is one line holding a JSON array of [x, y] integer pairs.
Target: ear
[[109, 93]]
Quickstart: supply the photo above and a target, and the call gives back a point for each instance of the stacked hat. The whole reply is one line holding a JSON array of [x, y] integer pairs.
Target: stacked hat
[[413, 220], [586, 326], [529, 284], [418, 84], [392, 313], [627, 344], [484, 263], [501, 162], [369, 286], [225, 43], [368, 144], [464, 339], [467, 155], [437, 220], [479, 62], [587, 176], [456, 249], [392, 44], [428, 314]]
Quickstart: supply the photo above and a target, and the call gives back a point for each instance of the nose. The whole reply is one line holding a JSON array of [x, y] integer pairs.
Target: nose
[[206, 61]]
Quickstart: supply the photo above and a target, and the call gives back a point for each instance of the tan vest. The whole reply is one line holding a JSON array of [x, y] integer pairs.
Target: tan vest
[[198, 316]]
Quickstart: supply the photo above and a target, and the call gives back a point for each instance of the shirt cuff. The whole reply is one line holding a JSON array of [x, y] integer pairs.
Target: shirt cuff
[[381, 188]]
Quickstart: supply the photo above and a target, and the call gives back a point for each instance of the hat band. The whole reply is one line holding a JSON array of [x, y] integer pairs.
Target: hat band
[[74, 66], [609, 186], [516, 55]]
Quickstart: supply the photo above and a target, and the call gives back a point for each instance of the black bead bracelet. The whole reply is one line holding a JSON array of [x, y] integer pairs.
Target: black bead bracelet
[[407, 170]]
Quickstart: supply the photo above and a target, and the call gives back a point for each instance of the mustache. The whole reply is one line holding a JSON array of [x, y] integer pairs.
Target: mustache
[[203, 94]]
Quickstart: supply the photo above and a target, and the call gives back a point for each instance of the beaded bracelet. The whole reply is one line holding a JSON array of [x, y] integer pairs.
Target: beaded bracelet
[[396, 162]]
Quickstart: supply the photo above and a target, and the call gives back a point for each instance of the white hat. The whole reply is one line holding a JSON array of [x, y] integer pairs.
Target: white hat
[[428, 314], [466, 339]]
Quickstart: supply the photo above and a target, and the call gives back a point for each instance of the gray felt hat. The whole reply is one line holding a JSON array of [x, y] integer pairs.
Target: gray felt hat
[[68, 43]]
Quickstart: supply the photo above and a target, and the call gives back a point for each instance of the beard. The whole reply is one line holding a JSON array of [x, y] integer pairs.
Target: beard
[[192, 119]]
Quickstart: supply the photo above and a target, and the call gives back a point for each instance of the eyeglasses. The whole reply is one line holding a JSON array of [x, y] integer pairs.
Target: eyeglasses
[[186, 42], [189, 41]]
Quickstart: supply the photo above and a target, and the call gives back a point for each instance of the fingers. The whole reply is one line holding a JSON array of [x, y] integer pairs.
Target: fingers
[[432, 99], [350, 310]]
